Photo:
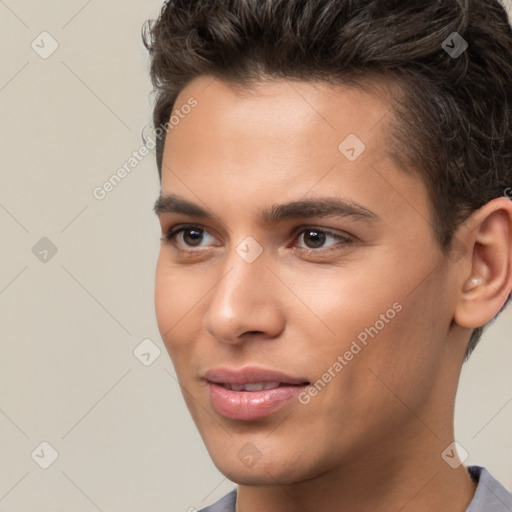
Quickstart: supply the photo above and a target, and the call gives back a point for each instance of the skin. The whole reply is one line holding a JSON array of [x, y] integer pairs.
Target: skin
[[373, 437]]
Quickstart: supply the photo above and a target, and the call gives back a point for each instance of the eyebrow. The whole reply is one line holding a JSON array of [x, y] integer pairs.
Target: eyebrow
[[315, 207]]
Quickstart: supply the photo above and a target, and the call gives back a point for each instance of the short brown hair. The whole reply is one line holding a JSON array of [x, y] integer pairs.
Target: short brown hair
[[454, 112]]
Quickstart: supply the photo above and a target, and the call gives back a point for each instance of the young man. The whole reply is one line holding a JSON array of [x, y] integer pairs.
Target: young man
[[336, 235]]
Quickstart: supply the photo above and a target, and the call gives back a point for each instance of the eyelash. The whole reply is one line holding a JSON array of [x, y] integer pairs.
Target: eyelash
[[173, 231]]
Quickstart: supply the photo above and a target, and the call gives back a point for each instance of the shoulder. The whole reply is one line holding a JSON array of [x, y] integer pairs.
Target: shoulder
[[490, 495], [225, 504]]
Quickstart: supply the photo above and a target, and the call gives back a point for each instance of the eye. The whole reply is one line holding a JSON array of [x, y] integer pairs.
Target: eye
[[315, 238], [192, 235]]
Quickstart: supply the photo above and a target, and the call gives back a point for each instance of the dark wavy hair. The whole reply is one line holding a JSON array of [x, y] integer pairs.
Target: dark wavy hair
[[452, 114]]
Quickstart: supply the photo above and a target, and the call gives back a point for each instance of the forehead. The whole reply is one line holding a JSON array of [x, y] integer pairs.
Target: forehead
[[284, 111], [271, 125]]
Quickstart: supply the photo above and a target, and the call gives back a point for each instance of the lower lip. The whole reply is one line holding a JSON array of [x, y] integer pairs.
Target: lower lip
[[251, 405]]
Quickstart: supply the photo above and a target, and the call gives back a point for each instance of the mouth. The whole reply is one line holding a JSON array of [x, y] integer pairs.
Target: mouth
[[256, 386], [251, 393]]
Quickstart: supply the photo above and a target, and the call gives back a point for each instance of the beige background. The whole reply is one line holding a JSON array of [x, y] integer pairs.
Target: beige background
[[70, 325]]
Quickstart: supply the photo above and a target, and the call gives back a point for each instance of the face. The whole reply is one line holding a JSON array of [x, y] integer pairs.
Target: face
[[339, 303]]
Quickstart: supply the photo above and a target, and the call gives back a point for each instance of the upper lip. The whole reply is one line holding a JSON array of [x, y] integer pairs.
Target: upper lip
[[250, 375]]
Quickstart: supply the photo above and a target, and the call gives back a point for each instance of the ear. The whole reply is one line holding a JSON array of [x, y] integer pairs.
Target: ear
[[484, 283]]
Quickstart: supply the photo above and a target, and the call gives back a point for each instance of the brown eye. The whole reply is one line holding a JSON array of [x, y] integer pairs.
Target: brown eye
[[191, 236], [315, 238]]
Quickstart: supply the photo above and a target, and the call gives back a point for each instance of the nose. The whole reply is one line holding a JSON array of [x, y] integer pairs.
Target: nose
[[245, 303]]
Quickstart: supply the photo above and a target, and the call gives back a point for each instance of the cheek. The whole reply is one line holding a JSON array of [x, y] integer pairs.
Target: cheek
[[385, 326], [174, 299], [402, 362], [340, 307], [164, 297]]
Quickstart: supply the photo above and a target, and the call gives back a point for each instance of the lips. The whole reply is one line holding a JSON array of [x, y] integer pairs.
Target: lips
[[250, 375], [255, 386], [250, 393]]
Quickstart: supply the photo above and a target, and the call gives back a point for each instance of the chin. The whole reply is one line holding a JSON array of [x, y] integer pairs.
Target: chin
[[272, 468], [256, 476]]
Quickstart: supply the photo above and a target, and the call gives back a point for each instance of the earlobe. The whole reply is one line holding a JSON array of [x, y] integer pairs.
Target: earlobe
[[485, 287]]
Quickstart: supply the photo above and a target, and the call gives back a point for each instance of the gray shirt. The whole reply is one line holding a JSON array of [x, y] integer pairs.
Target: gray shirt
[[490, 495]]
